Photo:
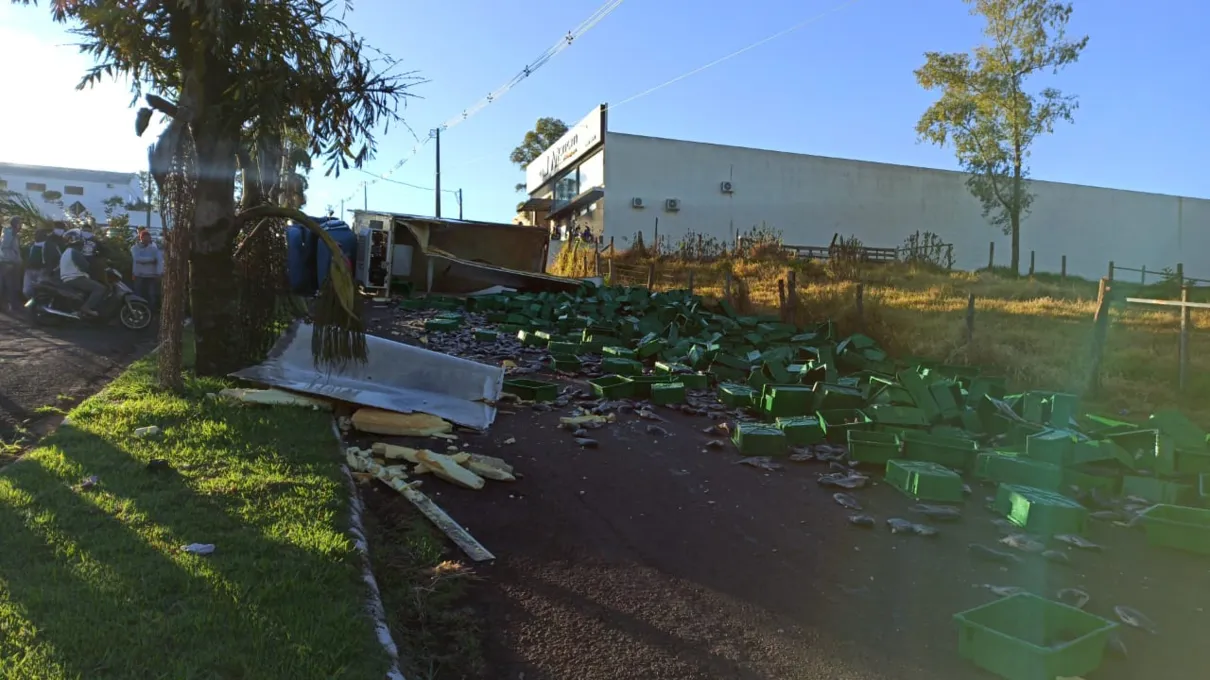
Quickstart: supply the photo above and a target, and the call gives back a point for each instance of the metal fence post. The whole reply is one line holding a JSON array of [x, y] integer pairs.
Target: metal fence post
[[1183, 357]]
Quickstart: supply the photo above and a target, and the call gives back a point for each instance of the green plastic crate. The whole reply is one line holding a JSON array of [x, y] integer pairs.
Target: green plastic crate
[[1040, 511], [643, 384], [786, 400], [1180, 527], [1050, 446], [1026, 637], [532, 390], [758, 439], [621, 366], [562, 347], [568, 363], [924, 481], [954, 452], [1011, 469], [612, 386], [531, 339], [619, 352], [485, 335], [801, 430], [890, 415], [873, 447], [832, 397], [1157, 490], [668, 393], [836, 424], [736, 396], [1185, 434]]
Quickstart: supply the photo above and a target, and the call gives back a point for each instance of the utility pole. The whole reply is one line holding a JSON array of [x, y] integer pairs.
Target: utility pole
[[365, 196], [459, 194], [342, 208], [437, 193], [150, 186]]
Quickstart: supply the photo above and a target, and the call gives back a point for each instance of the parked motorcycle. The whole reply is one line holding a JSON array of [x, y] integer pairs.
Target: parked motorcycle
[[54, 299]]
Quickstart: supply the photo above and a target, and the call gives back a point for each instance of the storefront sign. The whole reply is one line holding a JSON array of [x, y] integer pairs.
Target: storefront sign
[[583, 137]]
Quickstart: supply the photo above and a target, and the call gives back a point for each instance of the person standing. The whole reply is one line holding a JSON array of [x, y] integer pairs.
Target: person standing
[[147, 268], [40, 261], [10, 267]]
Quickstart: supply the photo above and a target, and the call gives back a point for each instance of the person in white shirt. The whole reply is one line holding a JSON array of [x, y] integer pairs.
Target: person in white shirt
[[73, 271], [147, 268]]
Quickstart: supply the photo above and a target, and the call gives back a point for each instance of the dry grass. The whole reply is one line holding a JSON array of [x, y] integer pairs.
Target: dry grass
[[1036, 332]]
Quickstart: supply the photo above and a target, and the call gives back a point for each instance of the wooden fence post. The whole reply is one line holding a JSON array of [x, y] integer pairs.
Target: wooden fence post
[[1063, 270], [611, 248], [651, 276], [1111, 270], [699, 255], [970, 318], [792, 295], [1100, 330], [1183, 357], [727, 287], [861, 306], [612, 282], [1031, 263], [991, 255], [691, 282], [596, 255], [656, 237], [781, 298], [1143, 276], [1180, 275], [949, 256]]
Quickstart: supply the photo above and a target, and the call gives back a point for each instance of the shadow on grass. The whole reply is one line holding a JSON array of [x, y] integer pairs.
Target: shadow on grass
[[95, 580]]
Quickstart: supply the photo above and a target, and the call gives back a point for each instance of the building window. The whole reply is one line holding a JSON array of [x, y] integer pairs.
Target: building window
[[35, 186], [73, 191]]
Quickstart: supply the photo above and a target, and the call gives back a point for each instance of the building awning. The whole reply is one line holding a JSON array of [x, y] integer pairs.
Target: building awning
[[536, 205], [587, 198]]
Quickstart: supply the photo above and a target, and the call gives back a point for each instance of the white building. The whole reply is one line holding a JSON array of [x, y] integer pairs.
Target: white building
[[63, 192], [620, 185]]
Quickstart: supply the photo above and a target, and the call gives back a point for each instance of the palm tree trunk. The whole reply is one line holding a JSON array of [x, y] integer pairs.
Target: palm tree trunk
[[214, 289]]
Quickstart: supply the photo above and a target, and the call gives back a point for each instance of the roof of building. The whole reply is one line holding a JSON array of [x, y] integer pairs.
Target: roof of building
[[66, 174]]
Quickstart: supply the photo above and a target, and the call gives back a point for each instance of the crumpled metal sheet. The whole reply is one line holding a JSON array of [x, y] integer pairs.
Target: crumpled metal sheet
[[395, 377]]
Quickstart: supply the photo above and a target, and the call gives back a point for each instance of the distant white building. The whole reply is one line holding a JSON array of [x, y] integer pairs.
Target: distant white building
[[63, 192]]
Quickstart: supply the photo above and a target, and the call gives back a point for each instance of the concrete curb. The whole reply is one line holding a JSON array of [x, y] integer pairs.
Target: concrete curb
[[374, 603]]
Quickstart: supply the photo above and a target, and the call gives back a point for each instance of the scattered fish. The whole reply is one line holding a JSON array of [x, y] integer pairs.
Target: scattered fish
[[966, 490], [940, 513], [657, 431], [714, 444], [587, 443], [1023, 543], [864, 521], [762, 462], [1116, 647], [847, 501], [801, 454], [1056, 556], [1077, 541], [1003, 591], [1073, 597], [900, 526], [992, 555], [1136, 619], [848, 480], [1005, 526], [1106, 515], [924, 529], [1137, 500]]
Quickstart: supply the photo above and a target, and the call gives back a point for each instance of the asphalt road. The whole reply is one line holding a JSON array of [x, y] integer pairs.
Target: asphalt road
[[39, 365]]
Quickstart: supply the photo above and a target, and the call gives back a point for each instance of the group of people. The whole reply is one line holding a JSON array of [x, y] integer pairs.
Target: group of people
[[70, 256]]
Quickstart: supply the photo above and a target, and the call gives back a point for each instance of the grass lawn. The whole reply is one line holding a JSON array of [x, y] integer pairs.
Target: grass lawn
[[93, 583], [1034, 331]]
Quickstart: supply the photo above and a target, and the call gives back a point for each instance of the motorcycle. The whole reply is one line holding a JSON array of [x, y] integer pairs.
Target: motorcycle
[[54, 299]]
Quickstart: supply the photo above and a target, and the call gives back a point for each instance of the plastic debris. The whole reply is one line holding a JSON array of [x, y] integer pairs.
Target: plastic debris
[[847, 501], [991, 554], [1073, 597], [864, 521], [1056, 556], [274, 397], [198, 548], [1136, 619], [149, 431], [89, 482]]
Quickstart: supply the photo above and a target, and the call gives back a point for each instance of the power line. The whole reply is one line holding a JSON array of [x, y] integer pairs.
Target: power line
[[563, 43], [784, 32], [406, 184]]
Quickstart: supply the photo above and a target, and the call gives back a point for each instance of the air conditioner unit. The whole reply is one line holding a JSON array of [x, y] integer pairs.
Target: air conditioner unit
[[672, 204], [636, 202], [726, 187]]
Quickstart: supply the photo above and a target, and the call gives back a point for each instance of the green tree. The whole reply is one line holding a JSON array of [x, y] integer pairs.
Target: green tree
[[987, 113], [233, 77], [546, 132]]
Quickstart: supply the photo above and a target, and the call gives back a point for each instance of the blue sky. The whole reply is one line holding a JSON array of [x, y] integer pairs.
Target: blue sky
[[842, 86]]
